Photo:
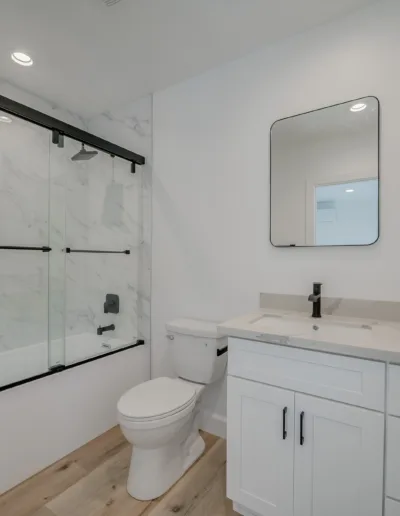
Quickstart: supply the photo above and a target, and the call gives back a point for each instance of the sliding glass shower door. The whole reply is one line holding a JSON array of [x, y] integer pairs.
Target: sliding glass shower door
[[95, 219], [70, 230]]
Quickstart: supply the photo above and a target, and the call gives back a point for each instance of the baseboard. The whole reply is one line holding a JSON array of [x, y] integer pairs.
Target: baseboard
[[242, 510], [213, 423]]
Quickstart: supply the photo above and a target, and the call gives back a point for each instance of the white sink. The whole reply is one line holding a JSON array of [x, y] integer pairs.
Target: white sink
[[282, 325], [324, 329], [342, 324], [340, 332]]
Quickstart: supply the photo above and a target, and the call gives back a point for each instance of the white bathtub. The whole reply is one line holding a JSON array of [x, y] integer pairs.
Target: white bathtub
[[28, 361]]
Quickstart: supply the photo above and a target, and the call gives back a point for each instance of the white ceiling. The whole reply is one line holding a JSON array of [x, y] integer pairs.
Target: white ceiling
[[89, 57]]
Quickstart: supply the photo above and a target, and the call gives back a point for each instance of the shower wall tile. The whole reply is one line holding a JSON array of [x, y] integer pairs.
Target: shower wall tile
[[102, 200], [88, 279], [39, 103]]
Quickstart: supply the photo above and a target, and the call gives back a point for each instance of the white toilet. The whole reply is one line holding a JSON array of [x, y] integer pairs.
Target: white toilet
[[160, 417]]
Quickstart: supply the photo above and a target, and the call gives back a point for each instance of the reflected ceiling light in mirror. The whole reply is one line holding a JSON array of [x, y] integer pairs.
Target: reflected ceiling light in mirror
[[358, 107], [349, 190], [5, 119], [22, 59]]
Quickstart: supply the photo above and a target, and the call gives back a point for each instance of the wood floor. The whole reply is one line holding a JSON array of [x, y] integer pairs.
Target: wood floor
[[92, 482]]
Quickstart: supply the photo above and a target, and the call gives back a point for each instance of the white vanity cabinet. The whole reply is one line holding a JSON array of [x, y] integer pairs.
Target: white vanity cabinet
[[290, 451]]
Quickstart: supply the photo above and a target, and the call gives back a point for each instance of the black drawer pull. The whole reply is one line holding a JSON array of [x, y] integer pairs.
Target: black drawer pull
[[284, 433], [302, 429]]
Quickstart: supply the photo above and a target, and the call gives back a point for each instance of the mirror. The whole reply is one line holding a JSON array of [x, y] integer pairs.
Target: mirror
[[325, 176]]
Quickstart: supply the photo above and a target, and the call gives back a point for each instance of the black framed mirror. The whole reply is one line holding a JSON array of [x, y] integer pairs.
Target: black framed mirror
[[324, 176]]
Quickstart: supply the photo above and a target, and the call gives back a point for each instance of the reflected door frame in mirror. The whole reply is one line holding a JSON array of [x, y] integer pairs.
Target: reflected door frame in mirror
[[317, 160]]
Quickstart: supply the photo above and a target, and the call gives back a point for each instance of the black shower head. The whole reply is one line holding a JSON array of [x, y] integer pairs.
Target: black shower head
[[84, 155]]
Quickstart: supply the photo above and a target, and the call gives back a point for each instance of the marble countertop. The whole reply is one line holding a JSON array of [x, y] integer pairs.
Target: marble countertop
[[362, 338]]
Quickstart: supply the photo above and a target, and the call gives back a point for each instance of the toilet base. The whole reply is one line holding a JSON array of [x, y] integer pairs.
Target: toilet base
[[161, 468]]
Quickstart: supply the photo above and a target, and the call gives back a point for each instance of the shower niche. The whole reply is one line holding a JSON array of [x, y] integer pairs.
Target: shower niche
[[70, 234]]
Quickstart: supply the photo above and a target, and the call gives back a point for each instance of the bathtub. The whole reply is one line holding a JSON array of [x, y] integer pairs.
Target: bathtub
[[28, 361]]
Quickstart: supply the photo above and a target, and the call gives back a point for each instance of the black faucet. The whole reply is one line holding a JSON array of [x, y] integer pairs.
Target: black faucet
[[315, 298], [102, 329]]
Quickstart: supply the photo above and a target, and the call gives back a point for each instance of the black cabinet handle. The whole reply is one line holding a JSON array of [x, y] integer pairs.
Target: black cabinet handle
[[284, 432], [302, 429]]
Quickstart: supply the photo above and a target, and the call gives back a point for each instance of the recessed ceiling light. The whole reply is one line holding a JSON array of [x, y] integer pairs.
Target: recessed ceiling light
[[358, 107], [22, 59], [5, 119], [349, 190]]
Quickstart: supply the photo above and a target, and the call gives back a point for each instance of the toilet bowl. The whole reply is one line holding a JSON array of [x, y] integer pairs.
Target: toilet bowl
[[165, 440], [160, 417]]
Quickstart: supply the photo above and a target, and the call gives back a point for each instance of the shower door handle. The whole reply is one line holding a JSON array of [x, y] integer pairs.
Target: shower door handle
[[44, 249]]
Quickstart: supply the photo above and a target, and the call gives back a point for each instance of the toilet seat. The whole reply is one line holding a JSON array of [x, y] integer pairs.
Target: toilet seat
[[157, 400]]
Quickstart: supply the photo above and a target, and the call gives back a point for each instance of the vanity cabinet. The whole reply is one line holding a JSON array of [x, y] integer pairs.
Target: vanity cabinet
[[291, 453]]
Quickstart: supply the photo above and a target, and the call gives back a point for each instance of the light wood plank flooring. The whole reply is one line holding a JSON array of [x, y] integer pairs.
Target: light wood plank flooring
[[92, 482]]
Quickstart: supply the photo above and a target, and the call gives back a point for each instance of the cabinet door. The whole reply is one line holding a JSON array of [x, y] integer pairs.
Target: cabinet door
[[339, 465], [260, 456], [392, 508], [393, 457]]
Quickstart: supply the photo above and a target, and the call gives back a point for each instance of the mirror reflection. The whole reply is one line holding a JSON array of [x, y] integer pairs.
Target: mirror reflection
[[325, 176]]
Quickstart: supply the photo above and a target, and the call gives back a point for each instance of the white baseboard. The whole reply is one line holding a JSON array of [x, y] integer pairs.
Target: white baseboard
[[242, 510], [213, 423]]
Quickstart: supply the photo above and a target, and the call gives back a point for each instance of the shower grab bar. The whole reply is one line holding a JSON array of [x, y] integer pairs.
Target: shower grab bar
[[69, 250], [44, 249]]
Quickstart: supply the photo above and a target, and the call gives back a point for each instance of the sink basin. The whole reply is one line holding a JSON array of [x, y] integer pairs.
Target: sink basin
[[282, 325], [320, 328], [338, 332], [343, 324]]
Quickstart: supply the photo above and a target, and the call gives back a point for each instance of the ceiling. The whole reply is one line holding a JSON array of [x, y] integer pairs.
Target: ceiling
[[89, 57]]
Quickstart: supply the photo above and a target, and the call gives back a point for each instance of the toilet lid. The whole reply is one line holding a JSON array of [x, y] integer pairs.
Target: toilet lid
[[156, 398]]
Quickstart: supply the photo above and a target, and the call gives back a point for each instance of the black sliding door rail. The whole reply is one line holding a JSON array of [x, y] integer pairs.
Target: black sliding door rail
[[38, 118], [60, 368], [44, 249], [69, 250]]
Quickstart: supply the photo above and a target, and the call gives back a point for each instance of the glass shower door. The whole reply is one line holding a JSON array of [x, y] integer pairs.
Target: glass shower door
[[97, 234]]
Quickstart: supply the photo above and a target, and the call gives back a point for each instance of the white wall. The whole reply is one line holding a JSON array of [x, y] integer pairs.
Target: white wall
[[211, 250], [44, 420]]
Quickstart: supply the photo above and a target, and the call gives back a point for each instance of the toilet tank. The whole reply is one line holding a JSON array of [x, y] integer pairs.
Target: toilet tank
[[195, 345]]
